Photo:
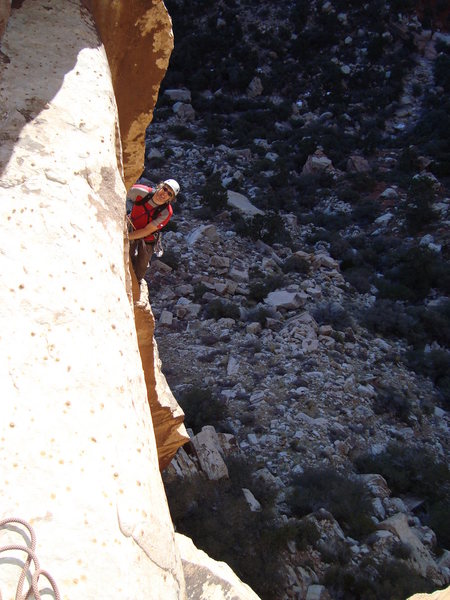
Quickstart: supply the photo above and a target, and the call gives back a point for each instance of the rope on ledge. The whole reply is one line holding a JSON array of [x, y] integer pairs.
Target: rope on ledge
[[31, 557]]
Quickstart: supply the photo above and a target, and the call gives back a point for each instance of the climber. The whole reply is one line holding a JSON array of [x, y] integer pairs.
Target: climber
[[149, 210]]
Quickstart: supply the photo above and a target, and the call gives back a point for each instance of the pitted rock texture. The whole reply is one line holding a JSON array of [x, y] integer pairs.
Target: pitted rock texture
[[77, 449], [79, 364]]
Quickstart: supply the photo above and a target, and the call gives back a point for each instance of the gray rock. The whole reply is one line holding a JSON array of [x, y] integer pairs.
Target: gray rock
[[286, 300], [179, 95], [184, 111], [243, 204]]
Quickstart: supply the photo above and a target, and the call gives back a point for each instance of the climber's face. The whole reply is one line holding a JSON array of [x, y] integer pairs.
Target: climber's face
[[163, 195]]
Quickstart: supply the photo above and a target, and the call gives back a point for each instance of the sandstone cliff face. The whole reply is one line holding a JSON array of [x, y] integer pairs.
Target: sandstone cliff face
[[77, 453], [79, 364], [138, 40]]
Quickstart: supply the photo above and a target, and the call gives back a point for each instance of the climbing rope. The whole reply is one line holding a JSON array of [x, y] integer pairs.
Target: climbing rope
[[31, 557]]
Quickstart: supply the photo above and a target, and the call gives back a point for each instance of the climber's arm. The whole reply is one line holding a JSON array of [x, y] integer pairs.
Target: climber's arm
[[138, 234]]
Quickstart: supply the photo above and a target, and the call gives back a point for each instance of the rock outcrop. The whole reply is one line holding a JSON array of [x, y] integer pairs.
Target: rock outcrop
[[78, 452], [79, 366]]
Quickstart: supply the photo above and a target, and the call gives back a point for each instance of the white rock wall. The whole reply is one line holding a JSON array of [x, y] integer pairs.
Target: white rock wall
[[77, 451]]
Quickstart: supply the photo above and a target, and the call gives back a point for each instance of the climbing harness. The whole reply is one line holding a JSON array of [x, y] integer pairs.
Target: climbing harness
[[31, 556]]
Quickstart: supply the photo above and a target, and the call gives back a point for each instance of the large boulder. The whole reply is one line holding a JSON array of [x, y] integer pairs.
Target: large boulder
[[420, 558], [207, 579]]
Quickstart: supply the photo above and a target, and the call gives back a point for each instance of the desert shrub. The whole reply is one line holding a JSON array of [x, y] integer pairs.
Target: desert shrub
[[439, 521], [299, 13], [182, 132], [365, 212], [359, 278], [306, 534], [411, 272], [218, 309], [419, 325], [361, 182], [216, 516], [213, 133], [258, 315], [332, 222], [259, 288], [296, 264], [347, 194], [202, 408], [332, 313], [387, 318], [393, 579], [336, 552], [394, 403], [401, 550], [156, 162], [408, 160], [415, 471], [268, 227], [419, 211], [442, 71], [430, 134], [213, 194], [434, 364], [347, 500], [199, 290], [394, 290], [375, 48]]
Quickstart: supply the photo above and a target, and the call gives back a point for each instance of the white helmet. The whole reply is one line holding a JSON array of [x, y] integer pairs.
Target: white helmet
[[173, 185]]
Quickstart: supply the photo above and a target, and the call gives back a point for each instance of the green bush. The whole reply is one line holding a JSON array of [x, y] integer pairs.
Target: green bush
[[393, 579], [199, 290], [182, 132], [202, 408], [260, 288], [268, 227], [332, 313], [218, 309], [359, 277], [408, 160], [442, 71], [394, 403], [296, 264], [419, 211], [419, 326], [434, 364], [347, 500], [411, 272], [213, 194], [258, 315], [439, 521], [306, 534]]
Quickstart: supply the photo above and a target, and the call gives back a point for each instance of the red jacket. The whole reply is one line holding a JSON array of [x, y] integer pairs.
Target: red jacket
[[143, 214]]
